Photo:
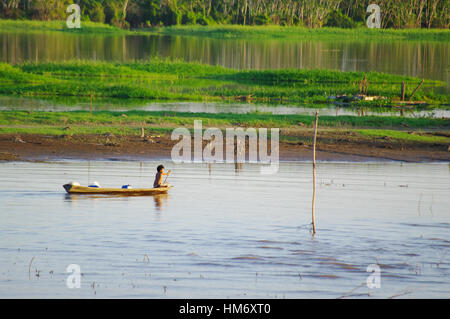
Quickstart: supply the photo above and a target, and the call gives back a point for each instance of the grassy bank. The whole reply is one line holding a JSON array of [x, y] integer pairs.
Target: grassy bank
[[221, 31], [181, 81], [58, 26], [299, 33], [417, 130], [174, 119]]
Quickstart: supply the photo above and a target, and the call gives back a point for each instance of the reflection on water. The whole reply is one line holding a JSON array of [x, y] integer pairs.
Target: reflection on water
[[219, 234], [418, 59], [160, 201], [69, 104]]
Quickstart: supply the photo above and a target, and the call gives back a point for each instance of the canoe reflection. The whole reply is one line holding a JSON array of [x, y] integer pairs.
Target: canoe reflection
[[160, 200]]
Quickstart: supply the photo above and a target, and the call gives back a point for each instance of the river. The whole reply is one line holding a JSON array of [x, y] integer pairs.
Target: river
[[222, 232], [64, 104]]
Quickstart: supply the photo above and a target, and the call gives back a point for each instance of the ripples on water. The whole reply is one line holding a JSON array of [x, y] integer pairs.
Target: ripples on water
[[226, 233]]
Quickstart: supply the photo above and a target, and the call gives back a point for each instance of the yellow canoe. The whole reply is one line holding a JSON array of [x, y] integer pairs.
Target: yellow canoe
[[76, 189]]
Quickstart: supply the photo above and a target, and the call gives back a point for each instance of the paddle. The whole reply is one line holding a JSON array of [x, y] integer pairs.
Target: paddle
[[167, 176]]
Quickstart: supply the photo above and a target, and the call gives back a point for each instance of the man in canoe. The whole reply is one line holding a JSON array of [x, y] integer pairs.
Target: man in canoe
[[159, 177]]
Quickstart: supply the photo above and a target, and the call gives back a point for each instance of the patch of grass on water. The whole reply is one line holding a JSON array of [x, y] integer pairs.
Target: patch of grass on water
[[183, 81], [12, 74]]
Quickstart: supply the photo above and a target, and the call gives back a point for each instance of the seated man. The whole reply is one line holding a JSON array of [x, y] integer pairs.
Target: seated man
[[159, 177]]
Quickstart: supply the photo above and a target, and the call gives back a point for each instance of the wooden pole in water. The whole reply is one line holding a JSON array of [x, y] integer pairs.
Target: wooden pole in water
[[365, 85], [314, 174], [90, 105], [402, 91]]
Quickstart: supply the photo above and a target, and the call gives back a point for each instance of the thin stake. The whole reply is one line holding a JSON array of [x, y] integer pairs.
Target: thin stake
[[402, 91], [90, 105], [415, 90], [365, 85], [29, 268], [314, 174]]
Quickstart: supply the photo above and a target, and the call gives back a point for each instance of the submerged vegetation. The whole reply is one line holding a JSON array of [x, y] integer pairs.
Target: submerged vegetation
[[181, 81]]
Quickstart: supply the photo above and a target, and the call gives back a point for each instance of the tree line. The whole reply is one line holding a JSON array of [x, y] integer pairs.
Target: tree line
[[308, 13]]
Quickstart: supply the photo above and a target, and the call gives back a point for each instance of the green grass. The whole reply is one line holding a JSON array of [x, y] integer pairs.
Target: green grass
[[293, 128], [30, 26], [182, 81], [79, 130], [300, 33], [235, 31], [175, 119], [405, 136]]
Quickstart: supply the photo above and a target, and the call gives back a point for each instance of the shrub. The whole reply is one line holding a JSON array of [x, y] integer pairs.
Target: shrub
[[337, 19], [171, 15], [203, 20], [261, 19], [94, 11], [189, 18]]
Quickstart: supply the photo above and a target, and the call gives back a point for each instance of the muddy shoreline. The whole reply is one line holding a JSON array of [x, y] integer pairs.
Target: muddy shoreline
[[34, 147]]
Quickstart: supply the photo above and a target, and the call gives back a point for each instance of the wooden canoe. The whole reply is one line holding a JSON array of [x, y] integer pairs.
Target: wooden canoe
[[75, 189]]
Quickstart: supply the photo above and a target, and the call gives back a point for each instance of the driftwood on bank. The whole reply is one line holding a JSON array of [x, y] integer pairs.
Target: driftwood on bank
[[415, 90]]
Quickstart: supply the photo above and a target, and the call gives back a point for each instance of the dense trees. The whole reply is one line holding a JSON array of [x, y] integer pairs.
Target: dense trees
[[309, 13]]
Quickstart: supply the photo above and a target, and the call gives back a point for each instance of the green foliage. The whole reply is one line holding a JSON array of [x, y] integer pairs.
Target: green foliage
[[171, 15], [112, 13], [43, 9], [189, 18], [93, 11], [311, 13], [10, 74], [337, 19], [204, 20], [182, 81], [261, 19]]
